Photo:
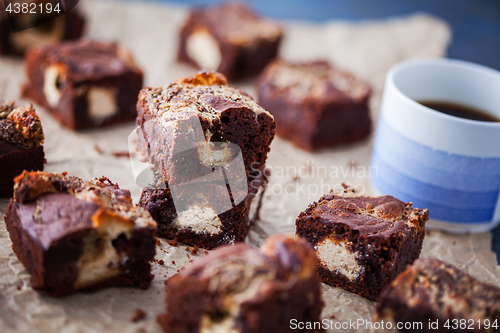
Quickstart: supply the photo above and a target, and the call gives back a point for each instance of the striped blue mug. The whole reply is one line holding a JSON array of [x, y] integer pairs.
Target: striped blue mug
[[447, 164]]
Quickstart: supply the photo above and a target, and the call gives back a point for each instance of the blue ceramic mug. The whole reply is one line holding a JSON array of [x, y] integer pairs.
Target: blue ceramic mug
[[447, 164]]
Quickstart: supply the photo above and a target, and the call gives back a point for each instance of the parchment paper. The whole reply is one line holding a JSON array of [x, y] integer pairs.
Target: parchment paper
[[368, 49]]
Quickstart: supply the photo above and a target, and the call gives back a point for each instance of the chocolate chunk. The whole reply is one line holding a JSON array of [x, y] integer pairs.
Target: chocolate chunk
[[239, 286], [362, 243], [74, 235], [84, 84], [230, 39], [21, 139], [315, 105]]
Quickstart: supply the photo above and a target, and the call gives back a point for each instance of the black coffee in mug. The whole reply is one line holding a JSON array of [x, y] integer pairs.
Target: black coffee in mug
[[460, 110]]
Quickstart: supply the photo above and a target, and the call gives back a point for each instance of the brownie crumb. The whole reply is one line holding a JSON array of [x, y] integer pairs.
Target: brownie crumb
[[173, 242], [139, 315], [161, 262], [195, 249], [332, 316], [120, 154], [158, 242], [173, 262]]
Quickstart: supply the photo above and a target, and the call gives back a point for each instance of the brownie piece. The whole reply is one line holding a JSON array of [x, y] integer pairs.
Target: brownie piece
[[66, 27], [21, 138], [431, 291], [242, 289], [200, 123], [74, 235], [230, 39], [315, 105], [85, 83], [206, 214], [362, 243]]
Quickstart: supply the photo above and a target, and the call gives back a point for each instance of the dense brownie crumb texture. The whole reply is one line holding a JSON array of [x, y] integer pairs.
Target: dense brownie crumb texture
[[208, 144], [65, 27], [362, 243], [21, 139], [73, 235], [315, 104], [433, 291], [230, 39], [84, 84], [241, 289]]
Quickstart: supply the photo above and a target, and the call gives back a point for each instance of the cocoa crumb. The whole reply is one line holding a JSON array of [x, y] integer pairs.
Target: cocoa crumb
[[120, 154], [98, 149], [139, 315]]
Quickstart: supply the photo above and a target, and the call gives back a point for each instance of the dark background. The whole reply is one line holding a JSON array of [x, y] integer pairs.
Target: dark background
[[475, 25]]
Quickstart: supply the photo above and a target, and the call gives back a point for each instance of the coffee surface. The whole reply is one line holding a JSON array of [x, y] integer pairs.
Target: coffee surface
[[460, 110]]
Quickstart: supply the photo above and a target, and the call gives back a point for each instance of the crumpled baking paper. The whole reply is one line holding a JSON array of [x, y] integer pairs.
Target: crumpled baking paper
[[149, 30]]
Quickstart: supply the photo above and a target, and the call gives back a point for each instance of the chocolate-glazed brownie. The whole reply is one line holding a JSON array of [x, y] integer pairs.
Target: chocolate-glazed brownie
[[84, 84], [66, 27], [230, 39], [198, 124], [206, 214], [314, 104], [242, 289], [431, 291], [21, 139], [362, 243], [74, 235]]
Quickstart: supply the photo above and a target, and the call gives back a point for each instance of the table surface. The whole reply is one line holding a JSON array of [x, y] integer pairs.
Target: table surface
[[475, 25]]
